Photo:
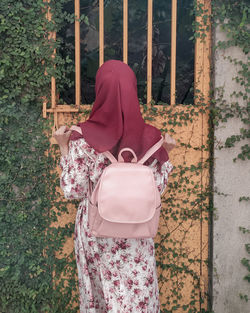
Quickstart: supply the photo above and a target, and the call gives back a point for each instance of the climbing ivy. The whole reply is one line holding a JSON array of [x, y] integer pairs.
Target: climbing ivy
[[28, 191]]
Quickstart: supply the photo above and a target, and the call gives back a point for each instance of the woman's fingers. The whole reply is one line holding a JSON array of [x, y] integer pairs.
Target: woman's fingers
[[67, 133], [61, 130], [169, 139], [169, 142], [62, 135], [58, 131]]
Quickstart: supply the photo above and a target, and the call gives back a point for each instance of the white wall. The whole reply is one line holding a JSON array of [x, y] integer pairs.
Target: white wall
[[232, 179]]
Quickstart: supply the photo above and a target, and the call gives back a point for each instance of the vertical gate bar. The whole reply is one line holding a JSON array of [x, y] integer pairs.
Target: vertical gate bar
[[207, 53], [77, 54], [125, 31], [173, 52], [45, 100], [101, 32], [53, 81], [44, 106], [198, 65], [149, 51]]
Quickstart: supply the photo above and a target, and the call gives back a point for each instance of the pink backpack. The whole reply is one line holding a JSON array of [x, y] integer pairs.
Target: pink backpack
[[125, 202]]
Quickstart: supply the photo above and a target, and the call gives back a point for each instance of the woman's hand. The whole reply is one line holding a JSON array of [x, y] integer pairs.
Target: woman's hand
[[169, 143], [62, 137]]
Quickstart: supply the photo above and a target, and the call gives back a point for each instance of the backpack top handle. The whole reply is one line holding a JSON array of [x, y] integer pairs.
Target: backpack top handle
[[120, 158], [148, 154], [112, 159]]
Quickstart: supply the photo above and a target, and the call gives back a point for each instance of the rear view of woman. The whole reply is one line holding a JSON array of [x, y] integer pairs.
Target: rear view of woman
[[115, 275]]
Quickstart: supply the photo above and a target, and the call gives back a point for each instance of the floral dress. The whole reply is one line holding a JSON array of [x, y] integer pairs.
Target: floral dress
[[115, 275]]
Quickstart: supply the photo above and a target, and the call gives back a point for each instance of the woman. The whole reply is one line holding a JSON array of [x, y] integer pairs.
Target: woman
[[115, 275]]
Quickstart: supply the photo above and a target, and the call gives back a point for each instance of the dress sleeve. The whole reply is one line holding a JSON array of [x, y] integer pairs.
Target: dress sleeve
[[74, 179], [161, 173]]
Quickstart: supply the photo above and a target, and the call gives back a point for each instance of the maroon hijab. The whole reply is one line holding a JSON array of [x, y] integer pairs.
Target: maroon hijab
[[115, 121]]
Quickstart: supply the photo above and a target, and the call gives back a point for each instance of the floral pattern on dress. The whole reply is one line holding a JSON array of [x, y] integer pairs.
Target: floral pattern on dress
[[114, 275]]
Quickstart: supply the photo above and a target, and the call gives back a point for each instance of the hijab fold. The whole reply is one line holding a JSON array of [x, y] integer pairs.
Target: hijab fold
[[115, 121]]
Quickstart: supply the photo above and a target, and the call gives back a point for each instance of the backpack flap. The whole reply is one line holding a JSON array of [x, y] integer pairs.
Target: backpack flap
[[125, 200]]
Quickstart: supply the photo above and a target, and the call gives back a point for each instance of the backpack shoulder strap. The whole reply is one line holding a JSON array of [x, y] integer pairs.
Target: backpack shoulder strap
[[110, 156], [151, 151]]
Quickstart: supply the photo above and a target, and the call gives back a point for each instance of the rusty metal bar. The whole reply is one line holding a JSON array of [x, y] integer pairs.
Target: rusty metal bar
[[53, 81], [125, 31], [101, 32], [77, 54], [173, 52], [51, 35], [149, 51], [63, 108], [45, 100]]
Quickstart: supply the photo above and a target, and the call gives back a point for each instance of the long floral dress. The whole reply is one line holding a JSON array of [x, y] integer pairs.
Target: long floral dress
[[115, 275]]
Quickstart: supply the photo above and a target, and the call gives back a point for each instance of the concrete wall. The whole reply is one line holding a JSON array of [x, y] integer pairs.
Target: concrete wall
[[232, 179]]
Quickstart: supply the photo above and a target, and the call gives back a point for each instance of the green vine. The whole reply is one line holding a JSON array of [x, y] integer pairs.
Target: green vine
[[28, 184]]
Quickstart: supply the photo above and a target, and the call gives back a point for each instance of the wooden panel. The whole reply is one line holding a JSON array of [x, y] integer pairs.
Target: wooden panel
[[187, 236]]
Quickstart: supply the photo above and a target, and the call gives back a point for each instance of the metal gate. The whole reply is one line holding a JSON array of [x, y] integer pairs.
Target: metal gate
[[195, 240]]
